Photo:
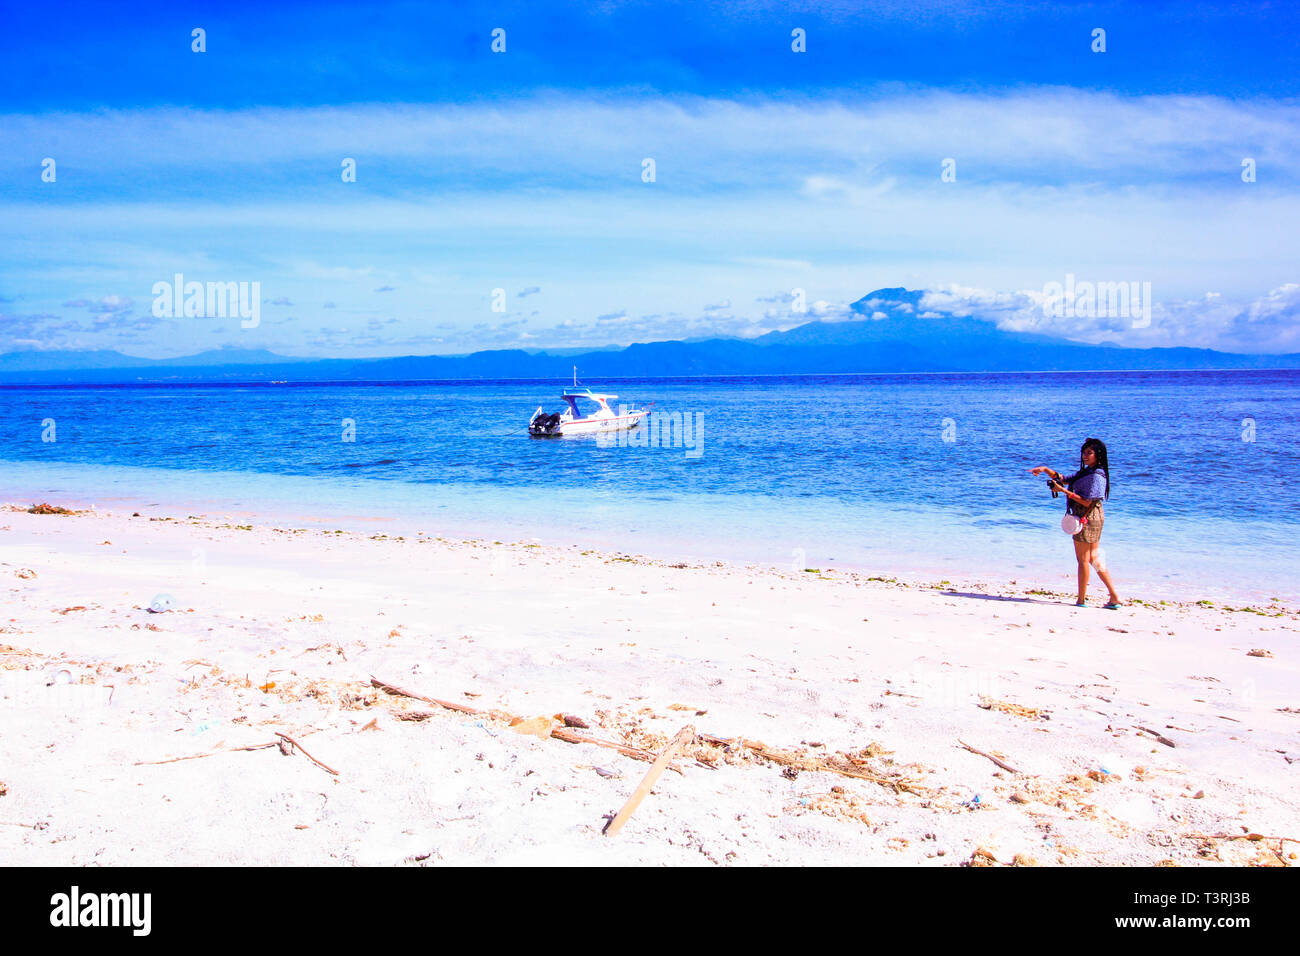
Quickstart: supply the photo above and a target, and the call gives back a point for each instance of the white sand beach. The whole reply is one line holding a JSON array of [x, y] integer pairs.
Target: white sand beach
[[278, 630]]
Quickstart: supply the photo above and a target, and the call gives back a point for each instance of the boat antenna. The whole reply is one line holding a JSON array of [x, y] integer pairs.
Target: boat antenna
[[575, 376]]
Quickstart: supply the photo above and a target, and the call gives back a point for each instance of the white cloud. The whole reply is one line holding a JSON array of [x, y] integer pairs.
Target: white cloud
[[1047, 133], [833, 197], [1268, 323]]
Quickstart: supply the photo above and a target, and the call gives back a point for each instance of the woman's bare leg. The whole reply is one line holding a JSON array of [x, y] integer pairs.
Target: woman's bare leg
[[1082, 553], [1103, 574]]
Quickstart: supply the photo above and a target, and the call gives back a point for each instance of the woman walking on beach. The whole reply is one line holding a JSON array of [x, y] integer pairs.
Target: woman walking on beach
[[1086, 489]]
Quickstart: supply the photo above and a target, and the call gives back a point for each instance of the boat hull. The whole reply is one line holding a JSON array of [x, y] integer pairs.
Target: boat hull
[[589, 426]]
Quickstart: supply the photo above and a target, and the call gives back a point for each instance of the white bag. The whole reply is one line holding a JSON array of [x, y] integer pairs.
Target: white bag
[[1070, 524]]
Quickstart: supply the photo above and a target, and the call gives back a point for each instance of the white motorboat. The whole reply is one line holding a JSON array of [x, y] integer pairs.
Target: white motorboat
[[594, 415]]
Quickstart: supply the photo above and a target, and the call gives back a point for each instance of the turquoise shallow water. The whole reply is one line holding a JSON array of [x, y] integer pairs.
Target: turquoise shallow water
[[920, 474]]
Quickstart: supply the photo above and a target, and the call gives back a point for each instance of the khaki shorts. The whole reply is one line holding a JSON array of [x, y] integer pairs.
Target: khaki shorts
[[1091, 532]]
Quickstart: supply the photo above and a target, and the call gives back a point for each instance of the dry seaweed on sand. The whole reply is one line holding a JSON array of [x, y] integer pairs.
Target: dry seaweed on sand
[[48, 509], [853, 764], [837, 802], [1019, 710], [708, 749]]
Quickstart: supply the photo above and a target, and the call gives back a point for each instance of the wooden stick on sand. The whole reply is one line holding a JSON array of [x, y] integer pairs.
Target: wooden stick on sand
[[684, 736], [559, 733], [1158, 736], [305, 754], [1004, 766], [210, 753], [402, 692]]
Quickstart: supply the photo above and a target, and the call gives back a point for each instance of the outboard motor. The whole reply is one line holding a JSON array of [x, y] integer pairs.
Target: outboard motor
[[544, 424]]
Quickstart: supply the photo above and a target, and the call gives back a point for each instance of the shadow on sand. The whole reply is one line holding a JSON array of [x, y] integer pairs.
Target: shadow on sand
[[1001, 597]]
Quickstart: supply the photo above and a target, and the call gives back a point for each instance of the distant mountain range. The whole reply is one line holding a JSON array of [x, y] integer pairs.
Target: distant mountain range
[[901, 341]]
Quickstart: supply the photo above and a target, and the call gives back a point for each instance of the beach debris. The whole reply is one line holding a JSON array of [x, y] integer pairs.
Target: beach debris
[[708, 749], [535, 726], [59, 677], [1019, 796], [838, 803], [1019, 710], [161, 604], [559, 733], [570, 737], [853, 764], [606, 773], [79, 607], [400, 692], [1250, 836], [4, 789], [972, 804], [210, 753], [48, 509], [1259, 652], [570, 720], [982, 856], [293, 743], [25, 573], [1158, 736], [684, 736], [988, 756]]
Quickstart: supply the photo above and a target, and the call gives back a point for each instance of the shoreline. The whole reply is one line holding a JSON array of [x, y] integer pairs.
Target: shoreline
[[897, 540], [279, 630]]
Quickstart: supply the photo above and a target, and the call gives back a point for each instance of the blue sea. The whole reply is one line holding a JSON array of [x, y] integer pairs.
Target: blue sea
[[893, 474]]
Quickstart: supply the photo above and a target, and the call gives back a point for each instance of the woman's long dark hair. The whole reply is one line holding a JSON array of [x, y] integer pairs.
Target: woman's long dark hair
[[1099, 449]]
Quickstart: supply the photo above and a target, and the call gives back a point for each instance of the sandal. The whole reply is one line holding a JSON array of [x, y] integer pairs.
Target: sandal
[[1112, 606], [1080, 603]]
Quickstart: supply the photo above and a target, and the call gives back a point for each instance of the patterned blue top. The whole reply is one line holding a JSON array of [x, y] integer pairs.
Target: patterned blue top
[[1090, 486]]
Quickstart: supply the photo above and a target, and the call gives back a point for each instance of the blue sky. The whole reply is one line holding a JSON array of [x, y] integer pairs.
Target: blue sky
[[522, 170]]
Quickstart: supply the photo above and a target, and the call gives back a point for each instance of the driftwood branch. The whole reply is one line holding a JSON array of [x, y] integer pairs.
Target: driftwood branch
[[559, 733], [401, 692], [1005, 766], [210, 753], [307, 755], [684, 736], [841, 766], [1160, 737], [1282, 841], [569, 737], [223, 750], [1253, 837]]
